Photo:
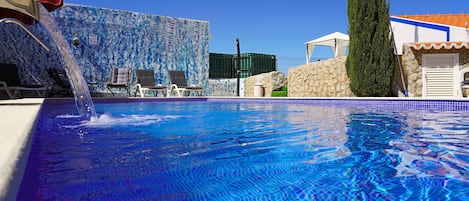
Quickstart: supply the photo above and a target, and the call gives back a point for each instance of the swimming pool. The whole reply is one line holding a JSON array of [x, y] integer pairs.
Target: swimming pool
[[251, 149]]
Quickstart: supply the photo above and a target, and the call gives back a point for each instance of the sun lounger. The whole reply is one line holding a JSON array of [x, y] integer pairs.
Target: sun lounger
[[62, 83], [10, 82], [179, 84], [146, 83], [119, 80]]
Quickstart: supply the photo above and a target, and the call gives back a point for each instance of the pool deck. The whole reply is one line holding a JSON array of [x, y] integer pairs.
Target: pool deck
[[17, 117]]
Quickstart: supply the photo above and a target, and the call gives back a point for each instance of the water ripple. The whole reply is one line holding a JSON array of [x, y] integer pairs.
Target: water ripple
[[251, 152]]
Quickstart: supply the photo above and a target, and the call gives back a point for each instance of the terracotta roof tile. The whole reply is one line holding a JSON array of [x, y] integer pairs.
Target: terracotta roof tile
[[440, 45], [459, 20]]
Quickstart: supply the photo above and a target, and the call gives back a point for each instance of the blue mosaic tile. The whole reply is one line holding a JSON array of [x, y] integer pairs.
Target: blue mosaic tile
[[112, 38], [392, 104]]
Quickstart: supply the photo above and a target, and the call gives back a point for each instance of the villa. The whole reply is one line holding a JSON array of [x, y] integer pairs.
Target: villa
[[435, 53], [160, 43]]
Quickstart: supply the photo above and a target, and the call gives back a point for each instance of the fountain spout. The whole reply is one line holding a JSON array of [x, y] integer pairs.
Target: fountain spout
[[21, 12], [19, 23]]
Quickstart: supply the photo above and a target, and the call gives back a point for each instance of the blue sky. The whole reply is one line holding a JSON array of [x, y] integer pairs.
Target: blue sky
[[278, 27]]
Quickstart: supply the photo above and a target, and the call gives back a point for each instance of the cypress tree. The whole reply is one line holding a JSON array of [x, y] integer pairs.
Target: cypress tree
[[370, 63]]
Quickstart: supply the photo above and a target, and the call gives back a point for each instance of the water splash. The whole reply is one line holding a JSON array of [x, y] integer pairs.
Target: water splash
[[80, 89], [108, 120]]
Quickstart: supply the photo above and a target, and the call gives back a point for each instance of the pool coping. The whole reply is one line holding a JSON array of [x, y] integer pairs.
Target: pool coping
[[18, 117]]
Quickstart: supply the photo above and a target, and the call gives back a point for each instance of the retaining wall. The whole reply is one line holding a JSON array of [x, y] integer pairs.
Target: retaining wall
[[326, 78], [270, 81]]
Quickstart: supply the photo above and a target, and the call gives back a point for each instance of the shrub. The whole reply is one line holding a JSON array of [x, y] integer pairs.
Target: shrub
[[282, 93], [370, 62]]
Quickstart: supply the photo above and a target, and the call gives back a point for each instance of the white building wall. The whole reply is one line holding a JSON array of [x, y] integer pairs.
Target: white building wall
[[408, 31], [459, 34], [403, 33], [429, 35]]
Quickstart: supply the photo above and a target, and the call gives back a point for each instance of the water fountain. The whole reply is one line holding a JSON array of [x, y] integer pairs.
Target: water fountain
[[80, 88], [22, 10]]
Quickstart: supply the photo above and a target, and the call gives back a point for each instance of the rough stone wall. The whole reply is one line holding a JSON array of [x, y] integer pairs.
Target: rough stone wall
[[412, 71], [270, 81], [326, 78], [464, 59]]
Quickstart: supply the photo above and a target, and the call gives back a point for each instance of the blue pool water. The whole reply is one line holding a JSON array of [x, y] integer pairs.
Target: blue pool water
[[249, 150]]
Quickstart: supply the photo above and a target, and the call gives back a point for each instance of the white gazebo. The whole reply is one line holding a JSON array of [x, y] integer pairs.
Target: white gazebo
[[337, 41]]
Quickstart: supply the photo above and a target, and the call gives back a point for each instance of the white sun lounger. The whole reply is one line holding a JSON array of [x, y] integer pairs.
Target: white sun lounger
[[179, 84], [10, 82], [146, 83]]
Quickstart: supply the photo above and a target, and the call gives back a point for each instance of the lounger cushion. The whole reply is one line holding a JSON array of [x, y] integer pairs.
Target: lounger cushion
[[121, 76], [9, 74]]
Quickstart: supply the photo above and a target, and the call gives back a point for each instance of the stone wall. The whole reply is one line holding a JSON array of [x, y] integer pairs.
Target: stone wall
[[412, 71], [269, 81], [326, 78]]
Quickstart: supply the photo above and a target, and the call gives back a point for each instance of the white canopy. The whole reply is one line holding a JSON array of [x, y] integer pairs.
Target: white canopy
[[337, 41]]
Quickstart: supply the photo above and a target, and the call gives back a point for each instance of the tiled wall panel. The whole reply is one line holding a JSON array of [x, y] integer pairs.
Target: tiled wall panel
[[113, 38]]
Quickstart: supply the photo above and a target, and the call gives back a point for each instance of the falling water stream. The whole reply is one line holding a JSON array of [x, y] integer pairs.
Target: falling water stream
[[80, 89]]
